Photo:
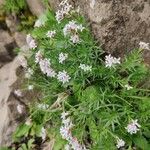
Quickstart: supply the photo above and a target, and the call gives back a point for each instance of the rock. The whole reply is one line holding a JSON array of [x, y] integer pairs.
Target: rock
[[7, 78], [36, 7], [11, 22], [1, 2], [7, 44], [118, 25], [20, 39], [5, 37]]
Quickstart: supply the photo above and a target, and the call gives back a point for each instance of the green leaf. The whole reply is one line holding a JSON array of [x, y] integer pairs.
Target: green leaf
[[141, 142], [22, 130]]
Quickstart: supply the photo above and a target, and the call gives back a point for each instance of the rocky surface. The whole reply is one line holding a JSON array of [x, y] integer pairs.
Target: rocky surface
[[119, 25]]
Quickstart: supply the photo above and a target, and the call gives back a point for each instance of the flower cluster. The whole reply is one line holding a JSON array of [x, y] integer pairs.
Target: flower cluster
[[20, 108], [43, 106], [64, 10], [111, 61], [65, 131], [120, 143], [51, 34], [31, 42], [128, 87], [144, 45], [133, 127], [63, 77], [72, 29], [30, 87], [28, 73], [62, 57], [45, 67], [85, 67], [43, 133], [18, 93]]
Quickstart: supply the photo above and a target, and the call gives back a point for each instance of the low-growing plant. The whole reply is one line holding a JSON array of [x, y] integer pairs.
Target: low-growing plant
[[90, 99]]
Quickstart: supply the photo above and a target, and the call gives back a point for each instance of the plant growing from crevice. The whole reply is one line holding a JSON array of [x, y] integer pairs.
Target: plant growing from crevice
[[89, 100]]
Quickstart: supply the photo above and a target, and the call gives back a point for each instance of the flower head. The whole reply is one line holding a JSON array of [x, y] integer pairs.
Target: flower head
[[128, 87], [120, 143], [51, 34], [18, 93], [72, 27], [75, 39], [43, 106], [63, 77], [133, 127], [65, 131], [30, 87], [64, 10], [31, 42], [111, 61], [20, 108], [144, 45], [62, 57], [28, 73], [85, 67], [38, 57], [43, 133]]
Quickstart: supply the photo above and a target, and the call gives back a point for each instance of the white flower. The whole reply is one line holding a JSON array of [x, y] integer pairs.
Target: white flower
[[63, 77], [44, 65], [72, 27], [133, 127], [144, 45], [29, 73], [64, 10], [75, 39], [43, 133], [62, 57], [120, 143], [85, 67], [111, 61], [128, 87], [23, 61], [20, 108], [43, 106], [31, 42], [80, 27], [39, 23], [64, 114], [38, 57], [59, 16], [46, 68], [65, 131], [30, 87], [51, 73], [51, 34], [18, 93]]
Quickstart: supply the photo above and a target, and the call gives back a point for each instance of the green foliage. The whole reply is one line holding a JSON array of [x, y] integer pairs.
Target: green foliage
[[98, 102], [14, 6]]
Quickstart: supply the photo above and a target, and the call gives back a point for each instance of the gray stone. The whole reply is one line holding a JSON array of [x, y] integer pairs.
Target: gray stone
[[20, 38], [36, 7]]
